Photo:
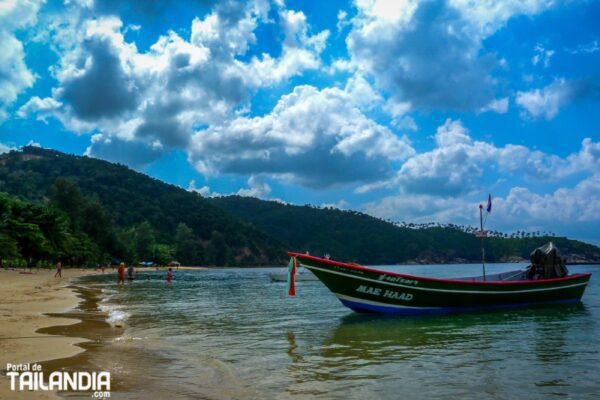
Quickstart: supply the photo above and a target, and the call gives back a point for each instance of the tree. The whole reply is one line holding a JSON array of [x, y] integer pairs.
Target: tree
[[128, 239], [163, 254], [67, 197], [221, 251], [32, 231], [8, 244], [83, 250], [8, 247], [185, 244], [55, 228], [31, 242], [145, 241]]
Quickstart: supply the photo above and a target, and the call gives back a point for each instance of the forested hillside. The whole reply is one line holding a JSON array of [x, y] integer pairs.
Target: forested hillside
[[132, 216], [109, 212], [354, 236]]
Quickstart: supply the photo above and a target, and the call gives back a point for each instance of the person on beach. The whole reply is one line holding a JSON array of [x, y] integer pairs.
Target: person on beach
[[121, 272], [58, 270], [169, 275]]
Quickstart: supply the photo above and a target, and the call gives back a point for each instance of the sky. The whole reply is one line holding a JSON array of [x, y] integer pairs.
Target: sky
[[407, 110]]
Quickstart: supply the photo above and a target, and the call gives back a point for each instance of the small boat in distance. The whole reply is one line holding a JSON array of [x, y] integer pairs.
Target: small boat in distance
[[369, 290]]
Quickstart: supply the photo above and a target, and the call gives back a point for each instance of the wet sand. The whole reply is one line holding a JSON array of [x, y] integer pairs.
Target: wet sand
[[60, 325], [107, 348], [30, 303]]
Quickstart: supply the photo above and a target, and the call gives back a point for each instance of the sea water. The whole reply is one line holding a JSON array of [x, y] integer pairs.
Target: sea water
[[233, 334]]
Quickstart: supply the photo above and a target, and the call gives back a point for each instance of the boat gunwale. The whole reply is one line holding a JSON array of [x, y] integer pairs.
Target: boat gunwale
[[439, 280]]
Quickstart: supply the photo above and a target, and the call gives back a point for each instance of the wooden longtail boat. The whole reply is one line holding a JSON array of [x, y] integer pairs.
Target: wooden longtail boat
[[374, 291]]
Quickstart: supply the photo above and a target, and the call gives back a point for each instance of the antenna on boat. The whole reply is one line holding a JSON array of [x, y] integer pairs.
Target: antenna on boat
[[482, 233]]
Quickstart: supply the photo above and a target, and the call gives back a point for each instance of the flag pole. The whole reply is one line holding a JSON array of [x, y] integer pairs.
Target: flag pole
[[482, 236]]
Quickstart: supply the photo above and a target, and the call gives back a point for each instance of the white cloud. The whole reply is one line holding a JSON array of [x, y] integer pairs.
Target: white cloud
[[203, 191], [300, 51], [565, 205], [587, 48], [573, 211], [545, 102], [256, 188], [32, 143], [388, 10], [340, 65], [15, 76], [542, 56], [19, 14], [488, 16], [4, 148], [405, 123], [81, 3], [429, 54], [587, 159], [451, 168], [156, 98], [499, 106], [457, 163], [132, 151], [361, 94], [452, 133], [41, 108], [315, 137], [342, 20], [422, 208], [340, 205]]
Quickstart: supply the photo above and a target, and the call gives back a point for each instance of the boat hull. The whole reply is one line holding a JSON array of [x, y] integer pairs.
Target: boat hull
[[370, 290]]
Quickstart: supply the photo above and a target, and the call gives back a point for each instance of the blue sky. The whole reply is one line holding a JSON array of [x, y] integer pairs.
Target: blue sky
[[408, 110]]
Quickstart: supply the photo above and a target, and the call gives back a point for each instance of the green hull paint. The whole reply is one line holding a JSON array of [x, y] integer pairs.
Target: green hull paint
[[379, 290]]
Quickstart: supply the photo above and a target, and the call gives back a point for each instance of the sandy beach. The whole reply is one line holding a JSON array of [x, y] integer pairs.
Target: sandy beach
[[26, 298]]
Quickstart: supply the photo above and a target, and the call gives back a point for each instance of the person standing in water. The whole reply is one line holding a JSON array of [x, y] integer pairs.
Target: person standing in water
[[121, 272], [169, 275], [58, 270], [130, 273]]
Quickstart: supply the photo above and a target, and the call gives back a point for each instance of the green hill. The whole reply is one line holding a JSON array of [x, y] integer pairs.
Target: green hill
[[354, 236], [135, 206], [111, 211]]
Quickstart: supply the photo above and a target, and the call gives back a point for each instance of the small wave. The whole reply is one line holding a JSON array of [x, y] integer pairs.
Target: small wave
[[127, 338], [108, 300], [116, 317], [107, 307], [109, 291]]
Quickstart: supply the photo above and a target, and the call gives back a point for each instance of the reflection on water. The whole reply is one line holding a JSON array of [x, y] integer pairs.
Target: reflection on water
[[497, 352], [232, 334], [291, 337], [385, 338]]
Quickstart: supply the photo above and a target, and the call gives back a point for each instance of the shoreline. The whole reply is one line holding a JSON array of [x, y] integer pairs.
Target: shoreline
[[32, 303], [61, 326]]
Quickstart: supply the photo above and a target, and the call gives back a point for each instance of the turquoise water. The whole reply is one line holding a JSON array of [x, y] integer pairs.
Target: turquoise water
[[232, 334]]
